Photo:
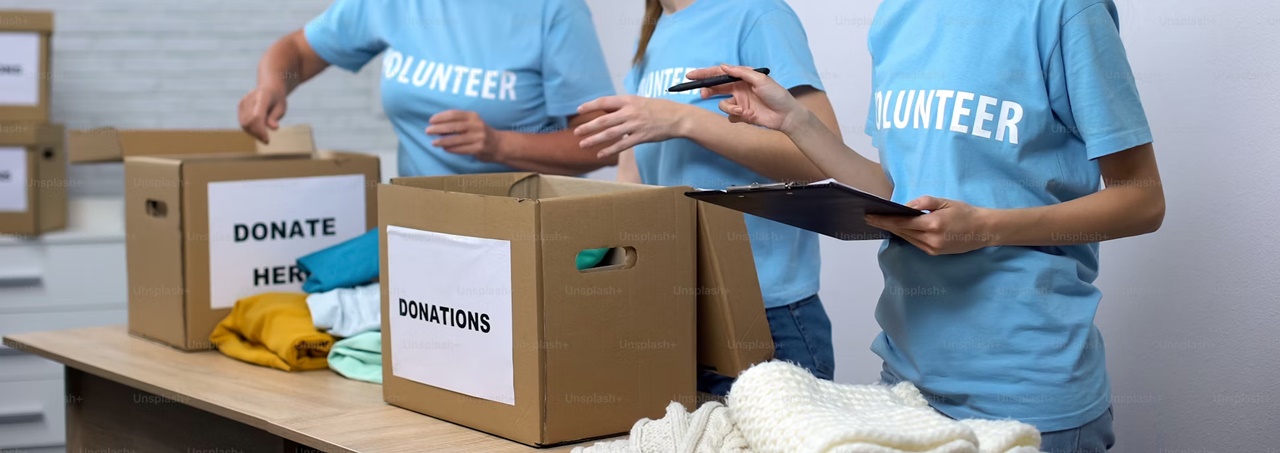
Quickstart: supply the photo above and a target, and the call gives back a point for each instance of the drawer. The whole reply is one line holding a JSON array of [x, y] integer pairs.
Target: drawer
[[62, 277], [35, 322], [16, 365], [32, 413]]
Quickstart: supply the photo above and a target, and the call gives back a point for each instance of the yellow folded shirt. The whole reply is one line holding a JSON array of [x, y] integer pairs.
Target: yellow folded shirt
[[274, 330]]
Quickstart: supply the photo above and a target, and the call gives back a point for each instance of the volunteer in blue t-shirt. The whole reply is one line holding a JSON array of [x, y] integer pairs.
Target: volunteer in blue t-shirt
[[470, 86], [681, 139], [1003, 132]]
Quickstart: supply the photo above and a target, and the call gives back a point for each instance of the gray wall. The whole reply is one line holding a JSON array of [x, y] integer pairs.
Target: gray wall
[[1190, 313]]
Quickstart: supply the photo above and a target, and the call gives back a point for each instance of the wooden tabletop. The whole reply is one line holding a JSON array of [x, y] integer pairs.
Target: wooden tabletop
[[318, 408]]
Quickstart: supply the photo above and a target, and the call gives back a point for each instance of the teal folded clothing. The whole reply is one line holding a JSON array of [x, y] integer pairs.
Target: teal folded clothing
[[347, 265], [358, 357], [590, 258]]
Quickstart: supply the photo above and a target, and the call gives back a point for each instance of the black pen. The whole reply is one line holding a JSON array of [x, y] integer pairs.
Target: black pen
[[711, 82]]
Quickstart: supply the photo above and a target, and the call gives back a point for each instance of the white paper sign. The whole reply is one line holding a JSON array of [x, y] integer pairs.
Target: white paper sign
[[259, 228], [451, 312], [13, 179], [19, 69]]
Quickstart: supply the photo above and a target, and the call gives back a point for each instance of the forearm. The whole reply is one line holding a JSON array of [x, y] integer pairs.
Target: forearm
[[1109, 214], [628, 170], [1131, 204], [828, 152], [764, 151], [553, 153], [288, 63]]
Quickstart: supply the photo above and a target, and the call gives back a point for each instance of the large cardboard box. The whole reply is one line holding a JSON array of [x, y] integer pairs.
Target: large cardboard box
[[33, 178], [25, 65], [204, 230], [488, 323]]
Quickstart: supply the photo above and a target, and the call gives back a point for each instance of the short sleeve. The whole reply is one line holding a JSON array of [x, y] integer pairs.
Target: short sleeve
[[1105, 111], [573, 67], [345, 35], [777, 41]]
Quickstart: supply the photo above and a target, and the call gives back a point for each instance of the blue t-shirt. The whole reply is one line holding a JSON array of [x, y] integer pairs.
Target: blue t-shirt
[[756, 33], [521, 65], [1000, 105]]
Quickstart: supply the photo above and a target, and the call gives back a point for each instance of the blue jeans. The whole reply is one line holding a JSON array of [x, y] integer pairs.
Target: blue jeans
[[801, 335], [1096, 436]]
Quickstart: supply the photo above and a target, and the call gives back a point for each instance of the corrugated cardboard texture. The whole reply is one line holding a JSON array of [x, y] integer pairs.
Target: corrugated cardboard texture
[[39, 22], [47, 178], [113, 145], [593, 352], [153, 242], [188, 211], [486, 217], [631, 332], [733, 331]]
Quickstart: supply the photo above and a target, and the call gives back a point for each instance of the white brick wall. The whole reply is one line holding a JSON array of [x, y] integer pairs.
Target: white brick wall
[[186, 64]]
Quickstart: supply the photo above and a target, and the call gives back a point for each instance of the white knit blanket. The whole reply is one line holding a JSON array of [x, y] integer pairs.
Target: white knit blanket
[[777, 407], [706, 430]]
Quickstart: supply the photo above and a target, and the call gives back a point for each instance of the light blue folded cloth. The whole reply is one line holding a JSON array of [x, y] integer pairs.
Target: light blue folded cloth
[[347, 312], [346, 265], [358, 357]]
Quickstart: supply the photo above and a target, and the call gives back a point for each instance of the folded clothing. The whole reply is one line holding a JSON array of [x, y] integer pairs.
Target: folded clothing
[[707, 430], [780, 407], [346, 312], [358, 357], [590, 258], [346, 265], [273, 330]]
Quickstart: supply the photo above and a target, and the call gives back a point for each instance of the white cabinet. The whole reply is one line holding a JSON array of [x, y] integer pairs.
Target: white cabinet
[[62, 280]]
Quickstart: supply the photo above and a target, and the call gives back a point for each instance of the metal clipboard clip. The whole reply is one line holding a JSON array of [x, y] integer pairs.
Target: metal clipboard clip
[[758, 186]]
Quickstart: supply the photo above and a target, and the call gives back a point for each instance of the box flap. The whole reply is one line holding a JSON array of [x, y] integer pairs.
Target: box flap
[[37, 21], [515, 184], [27, 133], [288, 140], [113, 145], [733, 332]]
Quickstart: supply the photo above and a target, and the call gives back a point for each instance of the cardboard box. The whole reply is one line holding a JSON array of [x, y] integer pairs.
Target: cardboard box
[[25, 65], [204, 230], [33, 178], [733, 331], [488, 323]]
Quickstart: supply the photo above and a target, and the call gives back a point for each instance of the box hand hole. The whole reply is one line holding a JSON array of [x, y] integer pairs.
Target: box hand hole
[[157, 208], [606, 259]]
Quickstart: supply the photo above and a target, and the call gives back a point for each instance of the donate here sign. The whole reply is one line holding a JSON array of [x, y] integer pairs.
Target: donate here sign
[[259, 228]]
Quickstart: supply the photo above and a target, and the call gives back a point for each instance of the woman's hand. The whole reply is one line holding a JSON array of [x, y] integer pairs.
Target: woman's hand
[[629, 121], [757, 99], [463, 132], [951, 227], [260, 111]]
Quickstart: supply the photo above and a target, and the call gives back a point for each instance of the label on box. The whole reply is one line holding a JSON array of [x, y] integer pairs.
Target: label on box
[[13, 179], [259, 228], [451, 312], [19, 69]]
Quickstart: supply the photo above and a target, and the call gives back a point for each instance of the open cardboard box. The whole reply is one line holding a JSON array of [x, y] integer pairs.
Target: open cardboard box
[[488, 323], [211, 217]]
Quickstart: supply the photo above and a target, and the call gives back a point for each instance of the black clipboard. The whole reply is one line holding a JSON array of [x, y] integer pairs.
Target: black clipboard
[[825, 207]]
